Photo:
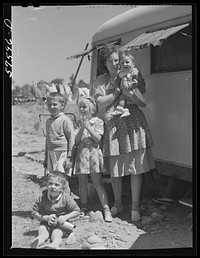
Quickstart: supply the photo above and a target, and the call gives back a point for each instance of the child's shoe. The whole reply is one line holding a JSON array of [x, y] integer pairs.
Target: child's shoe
[[107, 216], [125, 113], [84, 212]]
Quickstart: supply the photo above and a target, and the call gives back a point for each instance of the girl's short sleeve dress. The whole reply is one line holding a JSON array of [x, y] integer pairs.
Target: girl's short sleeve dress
[[89, 157]]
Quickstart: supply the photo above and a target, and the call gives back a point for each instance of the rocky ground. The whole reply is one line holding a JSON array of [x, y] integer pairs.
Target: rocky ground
[[161, 228]]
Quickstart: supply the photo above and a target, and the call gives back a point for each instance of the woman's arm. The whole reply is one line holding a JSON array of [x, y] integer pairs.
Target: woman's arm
[[136, 97], [105, 101]]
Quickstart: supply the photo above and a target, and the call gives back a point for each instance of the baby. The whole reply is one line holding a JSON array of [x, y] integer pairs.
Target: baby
[[129, 80]]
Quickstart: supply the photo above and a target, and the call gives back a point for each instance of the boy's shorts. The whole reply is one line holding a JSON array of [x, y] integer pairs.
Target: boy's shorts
[[55, 161], [51, 228]]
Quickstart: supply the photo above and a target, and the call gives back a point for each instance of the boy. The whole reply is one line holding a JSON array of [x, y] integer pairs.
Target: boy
[[60, 137], [53, 208]]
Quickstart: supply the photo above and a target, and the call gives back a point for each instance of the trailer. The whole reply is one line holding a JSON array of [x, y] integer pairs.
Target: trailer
[[160, 37]]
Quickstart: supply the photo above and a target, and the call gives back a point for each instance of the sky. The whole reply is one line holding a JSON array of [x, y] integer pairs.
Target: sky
[[43, 38]]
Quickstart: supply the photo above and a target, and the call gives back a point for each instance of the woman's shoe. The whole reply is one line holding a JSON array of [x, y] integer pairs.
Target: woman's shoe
[[115, 211], [135, 215]]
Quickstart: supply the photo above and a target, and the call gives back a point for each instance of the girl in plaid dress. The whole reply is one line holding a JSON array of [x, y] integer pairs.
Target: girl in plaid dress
[[89, 160]]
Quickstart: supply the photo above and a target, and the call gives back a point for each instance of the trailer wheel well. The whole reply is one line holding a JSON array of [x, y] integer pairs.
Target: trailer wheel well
[[166, 186]]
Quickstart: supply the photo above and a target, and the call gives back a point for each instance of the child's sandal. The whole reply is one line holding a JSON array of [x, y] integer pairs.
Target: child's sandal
[[108, 216], [84, 212]]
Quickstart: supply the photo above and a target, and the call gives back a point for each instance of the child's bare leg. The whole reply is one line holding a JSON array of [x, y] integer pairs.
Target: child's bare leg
[[67, 188], [56, 238], [43, 235], [98, 184], [83, 190]]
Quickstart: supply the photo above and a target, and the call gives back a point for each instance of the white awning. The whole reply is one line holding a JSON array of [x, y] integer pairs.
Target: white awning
[[83, 53], [86, 52], [153, 38]]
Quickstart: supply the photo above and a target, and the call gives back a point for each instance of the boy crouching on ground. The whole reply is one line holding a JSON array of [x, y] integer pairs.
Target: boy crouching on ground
[[53, 208]]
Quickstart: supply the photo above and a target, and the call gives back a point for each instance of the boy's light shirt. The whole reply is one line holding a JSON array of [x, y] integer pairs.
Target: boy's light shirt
[[58, 141], [59, 114]]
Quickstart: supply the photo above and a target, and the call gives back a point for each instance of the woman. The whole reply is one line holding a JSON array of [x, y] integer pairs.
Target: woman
[[127, 141]]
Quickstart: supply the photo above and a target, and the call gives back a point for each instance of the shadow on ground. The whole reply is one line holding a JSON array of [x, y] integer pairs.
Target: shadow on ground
[[37, 180], [31, 233], [23, 214]]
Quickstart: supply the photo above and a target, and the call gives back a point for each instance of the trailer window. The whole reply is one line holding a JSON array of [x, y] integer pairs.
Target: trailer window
[[175, 54]]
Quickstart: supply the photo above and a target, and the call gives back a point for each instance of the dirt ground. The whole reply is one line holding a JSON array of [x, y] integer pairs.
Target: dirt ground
[[161, 228]]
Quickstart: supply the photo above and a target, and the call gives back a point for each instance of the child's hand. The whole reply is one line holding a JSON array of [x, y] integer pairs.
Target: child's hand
[[124, 83], [135, 71], [67, 164], [61, 220], [133, 84], [82, 121], [85, 122], [52, 221]]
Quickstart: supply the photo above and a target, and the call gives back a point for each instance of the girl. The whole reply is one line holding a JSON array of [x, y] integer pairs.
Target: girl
[[89, 158]]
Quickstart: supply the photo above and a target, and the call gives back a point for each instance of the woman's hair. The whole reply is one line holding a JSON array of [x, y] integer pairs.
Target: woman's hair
[[89, 101], [61, 177], [104, 53], [58, 96]]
